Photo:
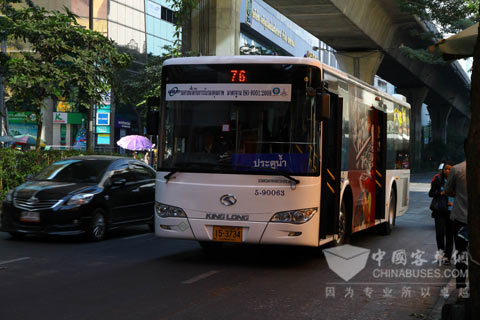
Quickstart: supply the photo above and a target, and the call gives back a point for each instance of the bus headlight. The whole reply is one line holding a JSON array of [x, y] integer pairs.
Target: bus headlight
[[165, 211], [294, 216]]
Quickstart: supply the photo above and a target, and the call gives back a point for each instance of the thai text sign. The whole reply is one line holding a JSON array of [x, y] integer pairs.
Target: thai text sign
[[228, 92]]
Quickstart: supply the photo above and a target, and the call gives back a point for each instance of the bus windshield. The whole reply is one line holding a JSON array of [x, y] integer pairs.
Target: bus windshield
[[218, 135]]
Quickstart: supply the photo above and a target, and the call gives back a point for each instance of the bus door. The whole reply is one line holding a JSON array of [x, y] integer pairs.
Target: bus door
[[379, 159], [331, 152]]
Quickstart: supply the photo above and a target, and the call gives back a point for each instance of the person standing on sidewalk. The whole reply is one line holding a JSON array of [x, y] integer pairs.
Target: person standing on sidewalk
[[443, 224], [456, 186]]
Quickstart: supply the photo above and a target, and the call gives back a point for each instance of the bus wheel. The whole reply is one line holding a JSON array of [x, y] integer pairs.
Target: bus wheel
[[209, 246], [343, 232], [387, 227]]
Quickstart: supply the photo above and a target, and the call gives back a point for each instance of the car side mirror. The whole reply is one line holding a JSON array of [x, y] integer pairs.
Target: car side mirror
[[323, 106], [118, 182], [29, 177]]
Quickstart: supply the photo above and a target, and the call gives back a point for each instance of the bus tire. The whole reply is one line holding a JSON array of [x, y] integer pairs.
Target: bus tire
[[343, 223], [387, 227]]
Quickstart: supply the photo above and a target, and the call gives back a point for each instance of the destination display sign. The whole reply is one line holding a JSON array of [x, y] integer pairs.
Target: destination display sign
[[228, 92]]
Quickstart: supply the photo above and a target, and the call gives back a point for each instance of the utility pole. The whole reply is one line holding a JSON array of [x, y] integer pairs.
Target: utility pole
[[91, 111], [3, 109]]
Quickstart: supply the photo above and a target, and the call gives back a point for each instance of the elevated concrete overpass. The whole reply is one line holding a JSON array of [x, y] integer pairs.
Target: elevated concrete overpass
[[368, 36]]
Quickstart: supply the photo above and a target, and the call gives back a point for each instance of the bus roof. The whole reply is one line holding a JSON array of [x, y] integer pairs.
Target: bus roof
[[242, 60], [253, 59]]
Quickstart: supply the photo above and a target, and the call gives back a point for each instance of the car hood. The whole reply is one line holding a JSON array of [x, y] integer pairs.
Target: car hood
[[47, 190]]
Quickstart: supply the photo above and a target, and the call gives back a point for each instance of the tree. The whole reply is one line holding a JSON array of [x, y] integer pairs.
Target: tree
[[452, 16], [133, 86], [62, 59]]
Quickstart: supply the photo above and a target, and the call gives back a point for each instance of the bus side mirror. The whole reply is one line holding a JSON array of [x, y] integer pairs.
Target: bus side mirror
[[323, 106], [152, 123]]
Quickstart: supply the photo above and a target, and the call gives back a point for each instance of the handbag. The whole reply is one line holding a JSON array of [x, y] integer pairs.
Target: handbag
[[439, 204]]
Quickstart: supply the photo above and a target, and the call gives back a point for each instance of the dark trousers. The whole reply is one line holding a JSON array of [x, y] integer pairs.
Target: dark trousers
[[462, 258], [444, 234]]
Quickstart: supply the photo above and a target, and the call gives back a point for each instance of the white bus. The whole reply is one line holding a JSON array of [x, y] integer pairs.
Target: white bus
[[276, 150]]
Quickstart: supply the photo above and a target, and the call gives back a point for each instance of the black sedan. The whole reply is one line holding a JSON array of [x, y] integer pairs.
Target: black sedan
[[89, 194]]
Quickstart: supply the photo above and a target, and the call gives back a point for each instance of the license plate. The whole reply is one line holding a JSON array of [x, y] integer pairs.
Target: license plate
[[29, 216], [227, 234]]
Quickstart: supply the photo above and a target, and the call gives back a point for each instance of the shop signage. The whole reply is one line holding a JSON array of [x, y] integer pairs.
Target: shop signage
[[21, 117], [60, 117], [125, 124], [63, 106], [103, 119], [256, 15], [103, 138], [103, 129]]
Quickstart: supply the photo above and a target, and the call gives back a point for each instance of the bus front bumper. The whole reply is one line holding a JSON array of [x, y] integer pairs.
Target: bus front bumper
[[252, 232]]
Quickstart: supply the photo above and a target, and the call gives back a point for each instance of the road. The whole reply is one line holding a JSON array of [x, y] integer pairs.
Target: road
[[134, 275]]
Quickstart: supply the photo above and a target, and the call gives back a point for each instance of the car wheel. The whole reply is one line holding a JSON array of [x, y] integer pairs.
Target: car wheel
[[98, 226], [17, 235]]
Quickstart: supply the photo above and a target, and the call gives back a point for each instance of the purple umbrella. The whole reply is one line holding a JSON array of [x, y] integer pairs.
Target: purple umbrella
[[135, 143]]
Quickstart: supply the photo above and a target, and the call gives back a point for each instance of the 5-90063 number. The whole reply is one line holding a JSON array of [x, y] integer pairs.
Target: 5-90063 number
[[270, 193]]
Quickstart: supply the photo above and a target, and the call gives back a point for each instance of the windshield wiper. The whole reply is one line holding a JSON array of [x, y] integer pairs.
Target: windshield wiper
[[169, 175], [183, 165]]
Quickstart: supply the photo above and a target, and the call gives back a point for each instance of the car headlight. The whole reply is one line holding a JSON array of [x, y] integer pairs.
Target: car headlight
[[165, 211], [294, 216], [9, 196], [81, 198]]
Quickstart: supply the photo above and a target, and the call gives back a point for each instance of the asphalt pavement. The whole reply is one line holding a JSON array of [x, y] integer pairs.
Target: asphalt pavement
[[134, 275]]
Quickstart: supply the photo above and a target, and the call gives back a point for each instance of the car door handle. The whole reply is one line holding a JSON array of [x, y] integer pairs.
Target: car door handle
[[136, 190]]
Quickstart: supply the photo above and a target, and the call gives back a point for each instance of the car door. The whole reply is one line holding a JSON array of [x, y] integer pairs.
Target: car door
[[145, 177], [123, 196]]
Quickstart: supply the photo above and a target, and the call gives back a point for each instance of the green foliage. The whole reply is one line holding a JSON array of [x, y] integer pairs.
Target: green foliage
[[449, 16], [60, 58], [132, 87], [422, 55], [182, 9], [16, 165]]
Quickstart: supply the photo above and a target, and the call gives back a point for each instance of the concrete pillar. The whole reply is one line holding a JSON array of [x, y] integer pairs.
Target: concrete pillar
[[363, 65], [47, 118], [457, 127], [416, 97], [214, 28], [439, 116]]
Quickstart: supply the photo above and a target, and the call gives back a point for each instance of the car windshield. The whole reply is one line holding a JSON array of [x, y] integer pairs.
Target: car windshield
[[74, 170]]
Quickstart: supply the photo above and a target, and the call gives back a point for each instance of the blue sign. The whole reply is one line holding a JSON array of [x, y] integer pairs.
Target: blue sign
[[103, 119], [283, 162], [262, 19]]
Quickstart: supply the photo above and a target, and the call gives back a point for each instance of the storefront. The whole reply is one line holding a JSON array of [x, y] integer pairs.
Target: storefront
[[67, 128], [123, 127], [265, 31]]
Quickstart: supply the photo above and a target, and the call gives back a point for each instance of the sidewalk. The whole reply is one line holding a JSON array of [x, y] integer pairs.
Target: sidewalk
[[423, 177], [445, 308]]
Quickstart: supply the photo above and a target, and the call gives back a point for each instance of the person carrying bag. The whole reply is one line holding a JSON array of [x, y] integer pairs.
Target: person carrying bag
[[441, 213]]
